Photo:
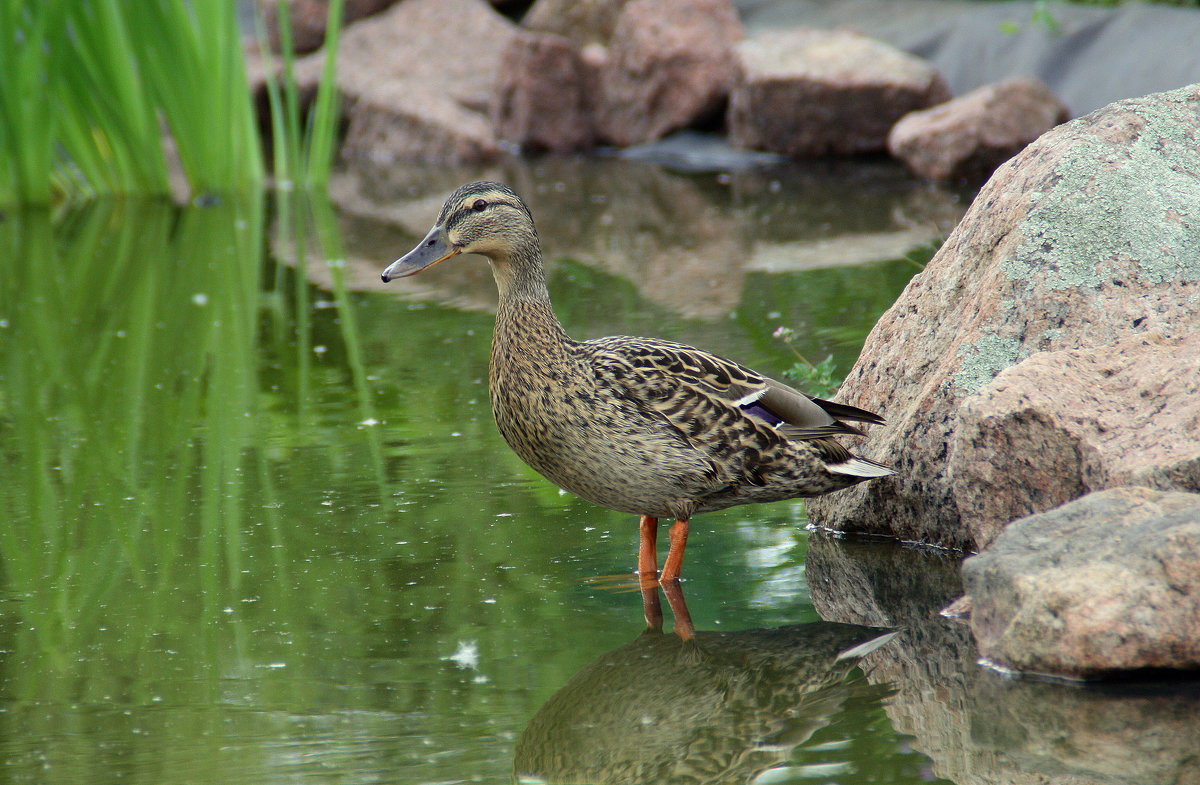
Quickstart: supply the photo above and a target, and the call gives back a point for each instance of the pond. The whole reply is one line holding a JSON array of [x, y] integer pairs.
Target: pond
[[259, 526]]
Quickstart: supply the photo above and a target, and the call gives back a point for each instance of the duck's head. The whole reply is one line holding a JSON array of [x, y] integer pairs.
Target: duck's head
[[485, 218]]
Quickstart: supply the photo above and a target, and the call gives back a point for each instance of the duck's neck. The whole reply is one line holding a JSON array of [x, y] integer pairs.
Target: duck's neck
[[519, 274], [526, 328]]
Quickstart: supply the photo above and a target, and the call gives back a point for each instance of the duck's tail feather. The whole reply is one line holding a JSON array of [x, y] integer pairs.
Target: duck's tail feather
[[860, 467], [844, 411]]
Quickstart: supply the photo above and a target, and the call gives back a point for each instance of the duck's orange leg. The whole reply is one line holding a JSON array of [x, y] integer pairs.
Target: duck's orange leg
[[678, 534], [648, 547]]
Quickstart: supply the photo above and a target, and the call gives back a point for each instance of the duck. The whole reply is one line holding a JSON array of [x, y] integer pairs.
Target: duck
[[643, 426]]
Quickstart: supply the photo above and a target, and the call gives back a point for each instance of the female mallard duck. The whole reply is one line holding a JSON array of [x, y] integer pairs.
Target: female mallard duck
[[642, 426]]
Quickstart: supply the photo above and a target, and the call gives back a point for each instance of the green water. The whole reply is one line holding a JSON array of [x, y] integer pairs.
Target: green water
[[261, 530]]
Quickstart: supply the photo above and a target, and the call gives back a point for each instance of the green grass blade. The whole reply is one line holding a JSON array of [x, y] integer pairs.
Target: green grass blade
[[190, 54], [323, 120], [27, 121], [110, 128], [281, 98]]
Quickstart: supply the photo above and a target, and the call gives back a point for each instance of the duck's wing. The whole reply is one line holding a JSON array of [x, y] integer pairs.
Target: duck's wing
[[800, 411], [695, 389]]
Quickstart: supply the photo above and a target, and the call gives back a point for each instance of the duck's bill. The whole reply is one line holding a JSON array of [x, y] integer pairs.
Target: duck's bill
[[431, 250]]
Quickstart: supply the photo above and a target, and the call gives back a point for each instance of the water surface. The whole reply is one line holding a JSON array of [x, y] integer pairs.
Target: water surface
[[259, 526]]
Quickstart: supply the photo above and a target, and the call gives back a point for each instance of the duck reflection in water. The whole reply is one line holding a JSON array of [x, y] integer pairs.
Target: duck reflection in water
[[696, 707]]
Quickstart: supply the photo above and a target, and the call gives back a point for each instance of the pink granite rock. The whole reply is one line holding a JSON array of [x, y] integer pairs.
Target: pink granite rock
[[1085, 239], [542, 99], [670, 64], [1107, 583], [972, 135], [808, 92], [1060, 424]]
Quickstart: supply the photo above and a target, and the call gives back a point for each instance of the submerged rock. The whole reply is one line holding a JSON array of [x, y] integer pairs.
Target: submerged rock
[[972, 135], [1105, 584], [808, 92], [1087, 238]]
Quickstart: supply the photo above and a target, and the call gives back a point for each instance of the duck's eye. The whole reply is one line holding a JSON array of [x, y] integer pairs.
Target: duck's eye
[[479, 205]]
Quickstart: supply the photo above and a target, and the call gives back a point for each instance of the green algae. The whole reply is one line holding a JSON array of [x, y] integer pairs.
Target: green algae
[[985, 358], [1102, 214]]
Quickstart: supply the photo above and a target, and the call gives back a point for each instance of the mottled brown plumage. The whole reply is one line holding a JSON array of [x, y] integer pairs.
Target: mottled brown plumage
[[639, 425]]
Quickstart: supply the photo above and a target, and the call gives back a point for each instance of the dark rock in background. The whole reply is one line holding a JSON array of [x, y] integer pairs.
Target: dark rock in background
[[308, 19], [808, 92], [1092, 57], [582, 22], [670, 64], [667, 67], [543, 97], [970, 136], [406, 97]]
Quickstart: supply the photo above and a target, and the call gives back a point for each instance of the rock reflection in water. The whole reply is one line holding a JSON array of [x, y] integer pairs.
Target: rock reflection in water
[[686, 241], [979, 726], [718, 707]]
